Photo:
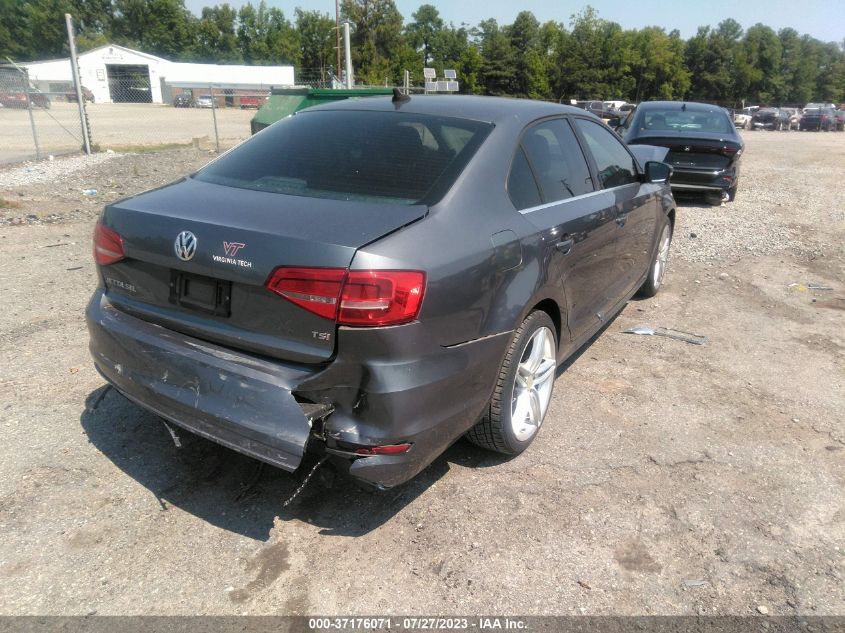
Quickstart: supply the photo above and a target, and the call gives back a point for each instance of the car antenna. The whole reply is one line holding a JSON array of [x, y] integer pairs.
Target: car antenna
[[398, 97]]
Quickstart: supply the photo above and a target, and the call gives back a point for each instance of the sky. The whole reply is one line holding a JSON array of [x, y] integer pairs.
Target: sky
[[823, 19]]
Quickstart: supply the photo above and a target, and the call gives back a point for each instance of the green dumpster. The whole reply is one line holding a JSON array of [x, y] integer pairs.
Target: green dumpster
[[285, 101]]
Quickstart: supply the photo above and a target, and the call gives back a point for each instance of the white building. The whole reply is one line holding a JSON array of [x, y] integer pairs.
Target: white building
[[118, 74]]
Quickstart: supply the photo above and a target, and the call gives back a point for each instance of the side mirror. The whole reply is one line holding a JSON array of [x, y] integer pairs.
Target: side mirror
[[657, 172]]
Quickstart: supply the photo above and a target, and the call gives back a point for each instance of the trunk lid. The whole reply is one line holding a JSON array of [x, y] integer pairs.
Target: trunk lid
[[237, 238], [704, 151]]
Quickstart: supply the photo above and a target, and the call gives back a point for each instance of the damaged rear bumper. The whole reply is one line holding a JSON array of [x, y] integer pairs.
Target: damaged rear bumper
[[385, 386], [236, 400]]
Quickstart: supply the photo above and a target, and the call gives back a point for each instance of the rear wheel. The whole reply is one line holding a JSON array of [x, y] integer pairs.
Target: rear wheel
[[523, 389], [658, 264]]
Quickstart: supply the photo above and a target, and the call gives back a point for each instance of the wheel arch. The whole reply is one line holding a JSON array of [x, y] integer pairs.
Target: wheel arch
[[550, 307]]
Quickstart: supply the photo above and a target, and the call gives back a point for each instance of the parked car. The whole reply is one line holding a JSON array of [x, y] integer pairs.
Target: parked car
[[205, 101], [770, 119], [87, 95], [742, 119], [16, 98], [598, 108], [839, 119], [704, 146], [794, 118], [818, 119], [815, 106], [251, 101], [410, 270], [183, 100]]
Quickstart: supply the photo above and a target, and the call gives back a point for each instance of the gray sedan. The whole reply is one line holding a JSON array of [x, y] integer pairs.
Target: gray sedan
[[367, 281]]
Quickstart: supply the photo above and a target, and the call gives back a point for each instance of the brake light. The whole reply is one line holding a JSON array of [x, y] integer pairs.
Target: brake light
[[108, 245], [367, 298], [315, 289]]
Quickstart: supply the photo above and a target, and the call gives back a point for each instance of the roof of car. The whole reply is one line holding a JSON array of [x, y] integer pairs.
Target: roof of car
[[488, 109], [680, 105]]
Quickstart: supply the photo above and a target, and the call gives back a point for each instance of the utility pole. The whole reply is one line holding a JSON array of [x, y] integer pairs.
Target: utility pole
[[80, 101], [337, 34]]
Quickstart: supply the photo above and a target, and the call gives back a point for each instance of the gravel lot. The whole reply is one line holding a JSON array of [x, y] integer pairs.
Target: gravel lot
[[668, 479]]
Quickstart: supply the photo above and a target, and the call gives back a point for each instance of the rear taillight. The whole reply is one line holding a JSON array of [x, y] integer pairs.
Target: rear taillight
[[355, 297], [381, 297], [108, 245], [315, 289]]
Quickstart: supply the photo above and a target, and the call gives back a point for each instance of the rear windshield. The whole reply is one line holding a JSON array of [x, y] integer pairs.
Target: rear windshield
[[689, 120], [390, 157]]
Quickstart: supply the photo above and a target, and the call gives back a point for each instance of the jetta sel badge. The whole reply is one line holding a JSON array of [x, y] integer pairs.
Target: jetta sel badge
[[419, 268], [185, 245]]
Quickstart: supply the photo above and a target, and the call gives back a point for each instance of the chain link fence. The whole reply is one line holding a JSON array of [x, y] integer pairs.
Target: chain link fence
[[35, 124], [37, 121]]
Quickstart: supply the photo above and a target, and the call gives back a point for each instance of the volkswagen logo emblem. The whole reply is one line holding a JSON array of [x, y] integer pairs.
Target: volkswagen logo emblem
[[185, 245]]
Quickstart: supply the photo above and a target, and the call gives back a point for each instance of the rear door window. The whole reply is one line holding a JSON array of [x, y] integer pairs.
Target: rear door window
[[522, 188], [557, 160], [615, 165], [390, 157]]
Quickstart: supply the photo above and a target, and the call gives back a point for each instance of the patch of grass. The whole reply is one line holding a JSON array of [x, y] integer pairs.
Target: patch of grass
[[9, 204], [143, 149]]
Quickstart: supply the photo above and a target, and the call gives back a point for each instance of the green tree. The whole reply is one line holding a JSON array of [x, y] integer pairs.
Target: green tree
[[35, 29], [830, 80], [497, 72], [266, 37], [717, 72], [317, 42], [13, 39], [160, 27], [376, 39], [591, 59], [657, 65], [217, 39], [531, 62], [425, 31]]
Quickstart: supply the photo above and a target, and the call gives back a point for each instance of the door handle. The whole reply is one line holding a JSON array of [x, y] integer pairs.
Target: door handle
[[621, 219], [565, 246]]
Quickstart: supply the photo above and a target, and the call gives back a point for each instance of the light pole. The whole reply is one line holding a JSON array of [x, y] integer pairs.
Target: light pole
[[348, 51]]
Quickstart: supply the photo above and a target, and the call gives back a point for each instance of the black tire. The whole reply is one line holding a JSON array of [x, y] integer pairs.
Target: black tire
[[494, 431], [732, 193], [654, 281]]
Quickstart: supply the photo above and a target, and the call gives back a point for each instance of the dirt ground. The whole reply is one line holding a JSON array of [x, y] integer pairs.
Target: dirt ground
[[58, 128], [668, 478]]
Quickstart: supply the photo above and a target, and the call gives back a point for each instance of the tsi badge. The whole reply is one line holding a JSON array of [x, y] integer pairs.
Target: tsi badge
[[231, 249], [185, 245]]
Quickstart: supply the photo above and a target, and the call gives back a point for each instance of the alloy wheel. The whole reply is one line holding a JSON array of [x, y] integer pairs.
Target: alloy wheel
[[532, 389], [662, 256]]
